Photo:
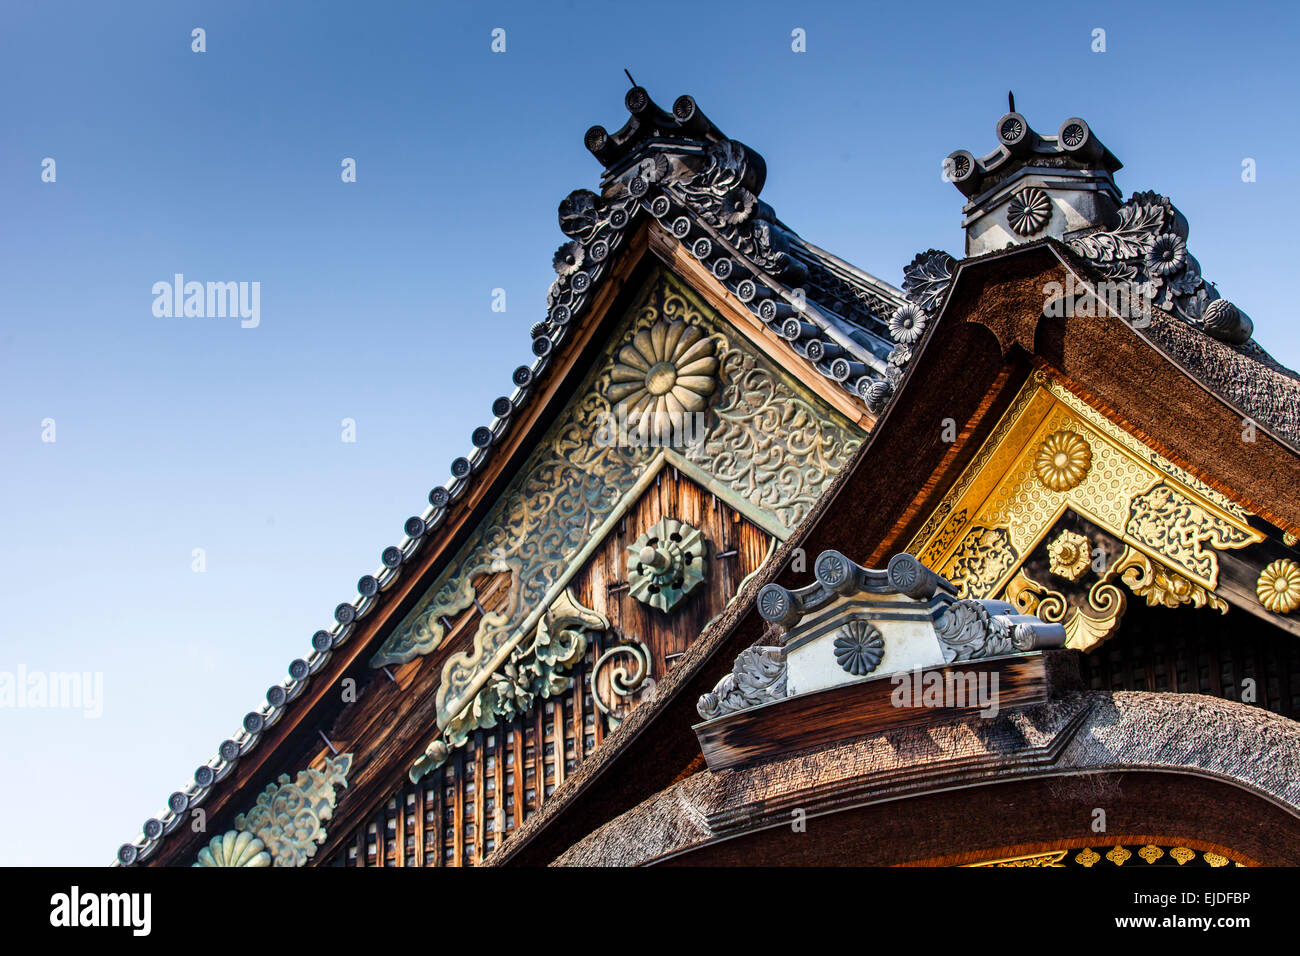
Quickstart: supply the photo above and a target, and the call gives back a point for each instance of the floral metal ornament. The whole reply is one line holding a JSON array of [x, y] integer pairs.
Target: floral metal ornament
[[1119, 856], [1278, 586], [286, 824], [1070, 555], [860, 648], [907, 324], [568, 258], [667, 372], [1063, 460], [1168, 254], [234, 848], [1029, 210], [666, 563], [1151, 853], [1087, 857]]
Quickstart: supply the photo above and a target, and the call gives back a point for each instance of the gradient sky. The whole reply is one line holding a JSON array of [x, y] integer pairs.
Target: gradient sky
[[176, 434]]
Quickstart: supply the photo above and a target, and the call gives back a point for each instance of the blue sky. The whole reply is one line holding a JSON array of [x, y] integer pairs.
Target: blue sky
[[174, 434]]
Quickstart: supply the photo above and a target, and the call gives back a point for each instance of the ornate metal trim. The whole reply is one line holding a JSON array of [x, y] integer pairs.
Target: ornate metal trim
[[627, 667], [666, 564], [534, 671], [286, 825]]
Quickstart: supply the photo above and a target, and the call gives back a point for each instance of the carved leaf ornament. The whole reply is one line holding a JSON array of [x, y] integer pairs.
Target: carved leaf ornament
[[286, 824]]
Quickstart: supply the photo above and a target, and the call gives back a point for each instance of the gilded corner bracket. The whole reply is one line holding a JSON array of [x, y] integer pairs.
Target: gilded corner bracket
[[1052, 454]]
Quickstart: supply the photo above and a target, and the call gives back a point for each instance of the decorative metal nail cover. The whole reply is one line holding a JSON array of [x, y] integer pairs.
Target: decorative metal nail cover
[[1029, 210], [859, 648], [1278, 586], [1069, 555], [666, 563]]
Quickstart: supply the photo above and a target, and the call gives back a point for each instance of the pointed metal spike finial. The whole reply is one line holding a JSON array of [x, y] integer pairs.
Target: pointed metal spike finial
[[629, 76], [1011, 102]]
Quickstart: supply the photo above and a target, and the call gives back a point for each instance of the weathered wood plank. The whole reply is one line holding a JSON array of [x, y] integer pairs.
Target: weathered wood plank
[[850, 710]]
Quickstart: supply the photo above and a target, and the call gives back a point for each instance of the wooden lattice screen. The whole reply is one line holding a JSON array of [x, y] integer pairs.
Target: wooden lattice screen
[[459, 813], [1198, 651]]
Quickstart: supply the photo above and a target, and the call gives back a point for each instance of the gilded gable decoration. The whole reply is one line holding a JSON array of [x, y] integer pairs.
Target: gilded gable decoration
[[1050, 457], [1169, 522], [1117, 855], [1063, 460], [1071, 554]]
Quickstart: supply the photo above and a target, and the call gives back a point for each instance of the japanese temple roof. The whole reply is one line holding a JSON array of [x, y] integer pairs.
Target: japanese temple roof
[[677, 170], [1246, 376], [674, 171], [964, 372]]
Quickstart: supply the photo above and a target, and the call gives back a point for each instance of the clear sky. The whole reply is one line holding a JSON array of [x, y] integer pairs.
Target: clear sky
[[173, 434]]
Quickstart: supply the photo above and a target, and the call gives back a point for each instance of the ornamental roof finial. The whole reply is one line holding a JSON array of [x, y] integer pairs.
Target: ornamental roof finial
[[1034, 185]]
